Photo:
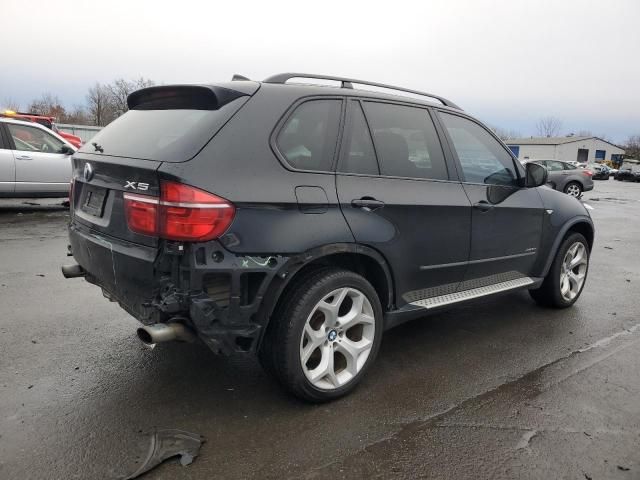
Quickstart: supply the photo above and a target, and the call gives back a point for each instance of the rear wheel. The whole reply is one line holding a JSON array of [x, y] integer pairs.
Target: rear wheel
[[324, 335], [568, 273], [573, 189]]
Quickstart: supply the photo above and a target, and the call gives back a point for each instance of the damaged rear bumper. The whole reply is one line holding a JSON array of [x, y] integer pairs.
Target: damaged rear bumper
[[216, 293]]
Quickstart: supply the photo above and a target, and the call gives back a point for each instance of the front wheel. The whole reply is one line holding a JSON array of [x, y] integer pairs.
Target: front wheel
[[325, 335], [568, 273], [573, 189]]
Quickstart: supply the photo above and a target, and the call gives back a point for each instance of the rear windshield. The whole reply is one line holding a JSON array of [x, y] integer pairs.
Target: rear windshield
[[164, 135]]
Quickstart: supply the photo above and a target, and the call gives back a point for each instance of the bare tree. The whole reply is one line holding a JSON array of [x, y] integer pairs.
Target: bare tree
[[120, 89], [99, 105], [49, 105], [10, 104], [548, 126], [632, 147], [78, 115], [504, 134]]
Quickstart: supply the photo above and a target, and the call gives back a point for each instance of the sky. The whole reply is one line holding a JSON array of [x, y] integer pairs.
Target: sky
[[509, 63]]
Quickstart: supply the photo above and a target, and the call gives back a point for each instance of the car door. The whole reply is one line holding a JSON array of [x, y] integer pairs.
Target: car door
[[40, 167], [557, 174], [399, 197], [7, 165], [506, 221]]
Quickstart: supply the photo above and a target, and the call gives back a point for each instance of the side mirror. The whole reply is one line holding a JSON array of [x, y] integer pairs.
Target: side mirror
[[536, 175], [67, 150]]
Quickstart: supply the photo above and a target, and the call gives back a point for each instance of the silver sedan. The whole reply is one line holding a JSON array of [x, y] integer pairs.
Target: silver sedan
[[34, 161]]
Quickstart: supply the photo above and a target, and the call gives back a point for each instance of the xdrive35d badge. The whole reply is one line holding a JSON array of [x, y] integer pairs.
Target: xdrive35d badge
[[299, 222]]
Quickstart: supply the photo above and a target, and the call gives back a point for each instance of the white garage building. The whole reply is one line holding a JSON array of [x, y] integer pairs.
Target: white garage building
[[566, 149]]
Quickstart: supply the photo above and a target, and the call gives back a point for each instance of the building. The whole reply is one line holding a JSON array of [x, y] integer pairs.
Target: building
[[567, 149]]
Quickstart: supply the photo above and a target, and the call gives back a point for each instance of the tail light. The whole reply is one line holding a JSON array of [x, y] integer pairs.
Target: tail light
[[588, 173], [182, 213]]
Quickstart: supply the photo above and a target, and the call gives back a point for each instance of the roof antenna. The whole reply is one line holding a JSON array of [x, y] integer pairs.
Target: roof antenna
[[237, 77]]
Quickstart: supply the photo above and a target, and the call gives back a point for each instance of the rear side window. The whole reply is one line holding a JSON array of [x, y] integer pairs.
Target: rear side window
[[359, 156], [308, 139], [554, 166], [482, 158], [406, 141]]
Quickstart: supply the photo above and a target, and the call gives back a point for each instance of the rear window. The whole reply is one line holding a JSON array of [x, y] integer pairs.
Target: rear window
[[167, 135]]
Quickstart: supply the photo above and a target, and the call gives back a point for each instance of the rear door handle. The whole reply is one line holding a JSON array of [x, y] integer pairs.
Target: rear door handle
[[483, 206], [24, 157], [368, 204]]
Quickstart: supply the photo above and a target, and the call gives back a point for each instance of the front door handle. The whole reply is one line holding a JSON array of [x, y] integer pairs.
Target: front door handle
[[24, 157], [368, 204], [483, 206]]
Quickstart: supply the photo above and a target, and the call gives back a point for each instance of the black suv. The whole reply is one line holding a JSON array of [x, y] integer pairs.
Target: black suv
[[299, 221]]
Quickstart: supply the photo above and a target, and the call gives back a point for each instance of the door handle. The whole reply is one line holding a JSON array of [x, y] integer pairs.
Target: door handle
[[368, 204], [483, 206], [24, 157]]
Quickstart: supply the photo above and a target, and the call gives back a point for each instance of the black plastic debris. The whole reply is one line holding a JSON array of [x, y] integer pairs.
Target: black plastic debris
[[164, 444]]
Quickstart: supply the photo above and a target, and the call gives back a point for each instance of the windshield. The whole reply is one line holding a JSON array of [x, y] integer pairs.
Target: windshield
[[164, 135]]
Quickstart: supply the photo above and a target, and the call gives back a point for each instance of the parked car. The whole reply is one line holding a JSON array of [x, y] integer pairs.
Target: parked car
[[566, 178], [629, 170], [46, 121], [628, 175], [600, 172], [34, 161], [298, 222]]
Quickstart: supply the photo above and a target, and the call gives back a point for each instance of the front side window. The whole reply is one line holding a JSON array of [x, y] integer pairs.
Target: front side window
[[406, 141], [308, 139], [32, 139], [481, 156]]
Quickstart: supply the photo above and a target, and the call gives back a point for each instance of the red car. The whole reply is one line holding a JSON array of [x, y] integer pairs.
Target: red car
[[48, 122]]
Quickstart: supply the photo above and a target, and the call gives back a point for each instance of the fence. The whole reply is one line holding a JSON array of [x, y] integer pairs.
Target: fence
[[85, 132]]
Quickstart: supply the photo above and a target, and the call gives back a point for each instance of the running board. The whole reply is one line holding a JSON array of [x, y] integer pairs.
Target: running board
[[448, 299]]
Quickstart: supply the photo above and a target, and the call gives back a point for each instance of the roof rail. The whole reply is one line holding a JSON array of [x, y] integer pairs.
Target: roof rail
[[348, 83]]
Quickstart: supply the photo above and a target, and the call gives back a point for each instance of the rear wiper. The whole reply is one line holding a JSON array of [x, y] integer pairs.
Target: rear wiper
[[97, 147]]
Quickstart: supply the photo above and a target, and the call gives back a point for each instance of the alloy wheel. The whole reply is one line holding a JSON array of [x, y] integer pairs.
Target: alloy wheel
[[573, 271], [337, 338], [574, 190]]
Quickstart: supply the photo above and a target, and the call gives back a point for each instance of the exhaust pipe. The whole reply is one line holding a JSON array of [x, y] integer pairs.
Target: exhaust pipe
[[73, 271], [165, 332]]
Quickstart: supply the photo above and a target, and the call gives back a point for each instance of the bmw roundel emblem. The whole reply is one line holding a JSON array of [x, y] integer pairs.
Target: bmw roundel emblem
[[88, 171], [332, 335]]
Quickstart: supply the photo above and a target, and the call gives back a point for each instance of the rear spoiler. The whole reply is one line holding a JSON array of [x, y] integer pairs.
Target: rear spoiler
[[189, 97]]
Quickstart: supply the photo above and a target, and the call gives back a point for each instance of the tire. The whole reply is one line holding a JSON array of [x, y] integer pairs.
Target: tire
[[573, 189], [552, 292], [309, 323]]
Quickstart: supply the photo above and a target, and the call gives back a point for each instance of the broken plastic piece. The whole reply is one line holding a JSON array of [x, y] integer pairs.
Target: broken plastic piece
[[165, 444]]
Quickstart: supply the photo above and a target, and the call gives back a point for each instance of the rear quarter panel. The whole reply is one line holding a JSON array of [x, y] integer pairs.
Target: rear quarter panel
[[239, 165]]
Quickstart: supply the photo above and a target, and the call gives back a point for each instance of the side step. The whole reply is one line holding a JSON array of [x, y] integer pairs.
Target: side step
[[442, 300]]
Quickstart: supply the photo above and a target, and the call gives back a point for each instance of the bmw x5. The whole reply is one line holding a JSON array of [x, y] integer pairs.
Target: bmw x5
[[298, 222]]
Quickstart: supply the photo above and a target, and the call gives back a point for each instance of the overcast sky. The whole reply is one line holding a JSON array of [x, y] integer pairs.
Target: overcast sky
[[507, 62]]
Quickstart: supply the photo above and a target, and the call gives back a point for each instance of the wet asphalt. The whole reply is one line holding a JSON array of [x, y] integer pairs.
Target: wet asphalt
[[500, 388]]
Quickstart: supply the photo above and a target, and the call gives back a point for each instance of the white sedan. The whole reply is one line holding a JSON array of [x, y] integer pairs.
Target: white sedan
[[34, 161]]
